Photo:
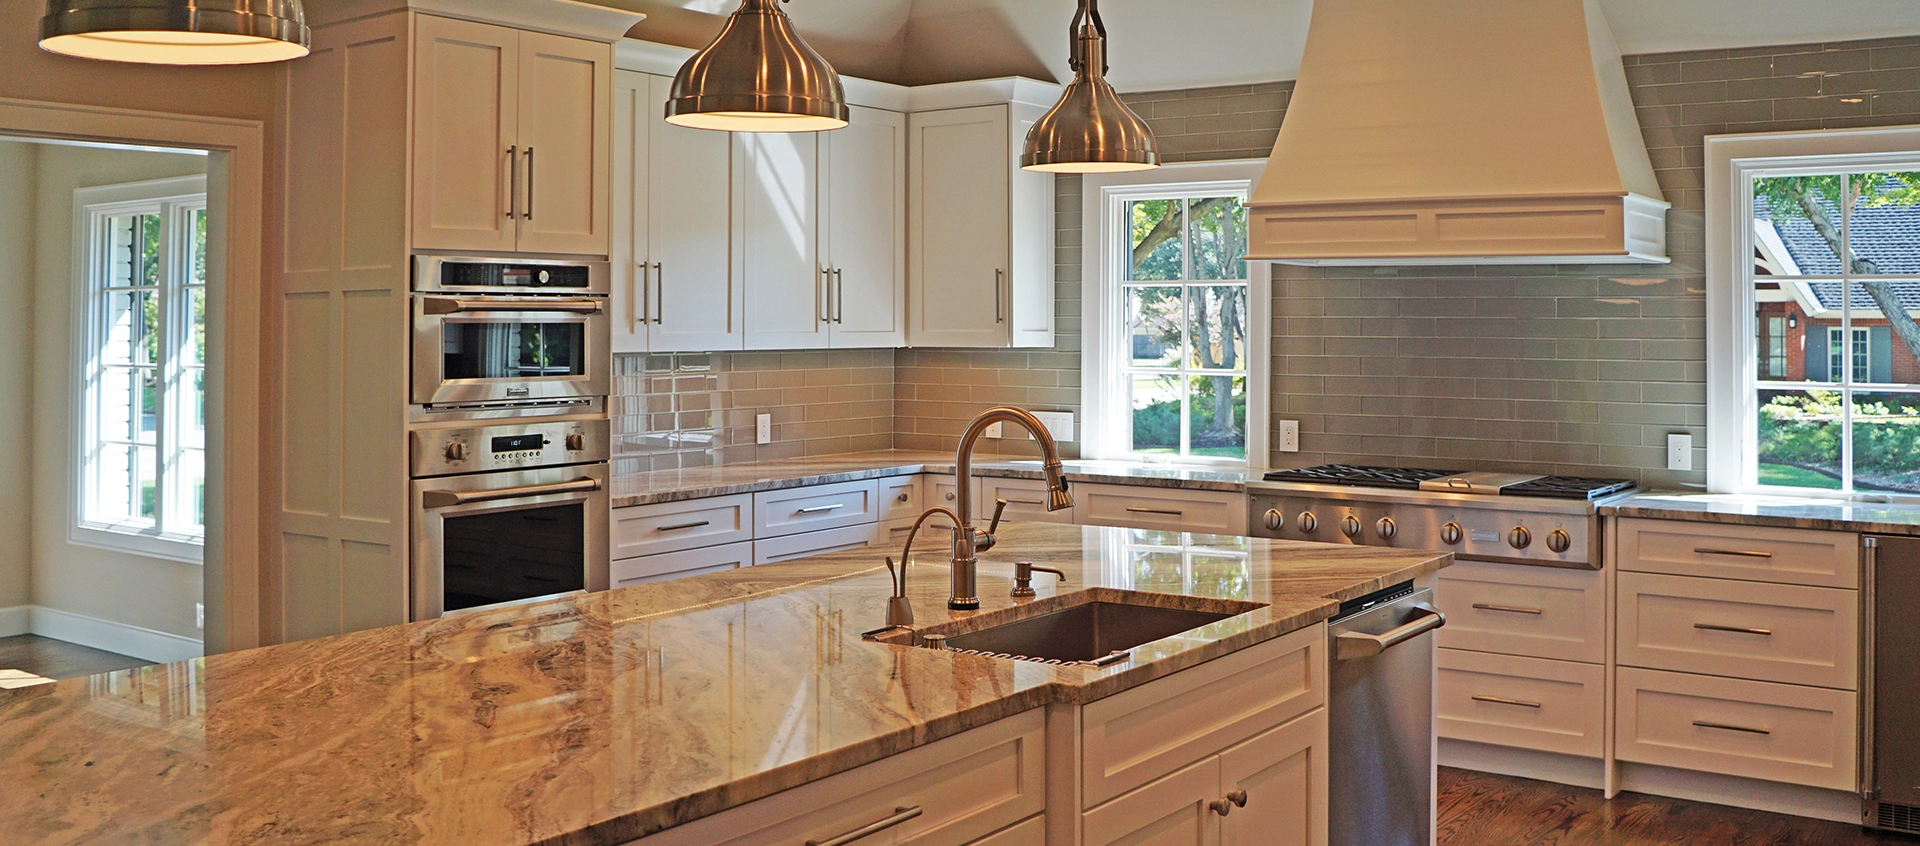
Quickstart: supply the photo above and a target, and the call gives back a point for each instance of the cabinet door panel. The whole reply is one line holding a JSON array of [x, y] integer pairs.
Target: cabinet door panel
[[959, 228], [465, 117], [632, 112], [1169, 812], [696, 301], [776, 239], [1284, 773], [865, 232], [564, 117]]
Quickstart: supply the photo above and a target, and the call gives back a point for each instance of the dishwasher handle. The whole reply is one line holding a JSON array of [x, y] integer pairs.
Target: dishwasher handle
[[1348, 645]]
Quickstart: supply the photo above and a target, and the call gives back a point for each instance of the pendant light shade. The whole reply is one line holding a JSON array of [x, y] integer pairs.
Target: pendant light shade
[[1089, 130], [758, 76], [176, 32]]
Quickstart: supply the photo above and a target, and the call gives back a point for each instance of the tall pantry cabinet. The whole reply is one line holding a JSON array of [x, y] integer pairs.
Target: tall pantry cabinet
[[414, 126]]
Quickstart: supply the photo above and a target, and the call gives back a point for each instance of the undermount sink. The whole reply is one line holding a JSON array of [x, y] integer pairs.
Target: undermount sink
[[1093, 627]]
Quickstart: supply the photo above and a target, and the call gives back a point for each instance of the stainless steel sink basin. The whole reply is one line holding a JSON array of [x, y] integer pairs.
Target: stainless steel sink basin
[[1094, 627]]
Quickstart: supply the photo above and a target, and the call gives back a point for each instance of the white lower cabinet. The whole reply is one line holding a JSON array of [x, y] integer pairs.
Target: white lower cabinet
[[1267, 791], [1169, 812], [1166, 509], [793, 547], [1527, 703], [627, 572], [1760, 730], [1026, 501]]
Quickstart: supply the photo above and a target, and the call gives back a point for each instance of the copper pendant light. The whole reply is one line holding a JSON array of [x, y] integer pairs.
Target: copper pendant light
[[176, 32], [1089, 130], [758, 76]]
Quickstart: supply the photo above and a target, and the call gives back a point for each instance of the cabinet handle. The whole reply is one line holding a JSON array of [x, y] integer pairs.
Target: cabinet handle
[[529, 214], [446, 305], [1744, 553], [1501, 700], [646, 294], [817, 509], [678, 526], [1220, 806], [513, 181], [1735, 629], [825, 300], [1024, 501], [999, 281], [1725, 727], [659, 292], [839, 296], [900, 815], [1510, 609], [1238, 798], [1167, 511]]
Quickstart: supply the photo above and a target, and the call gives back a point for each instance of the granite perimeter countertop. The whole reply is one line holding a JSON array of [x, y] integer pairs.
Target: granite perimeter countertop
[[604, 717], [755, 476], [1794, 512]]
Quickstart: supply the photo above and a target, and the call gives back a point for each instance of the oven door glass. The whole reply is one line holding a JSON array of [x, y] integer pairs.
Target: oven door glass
[[507, 556], [513, 350]]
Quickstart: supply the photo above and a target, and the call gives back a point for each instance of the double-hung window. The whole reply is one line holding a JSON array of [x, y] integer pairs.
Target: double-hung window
[[1818, 313], [1175, 317], [141, 286]]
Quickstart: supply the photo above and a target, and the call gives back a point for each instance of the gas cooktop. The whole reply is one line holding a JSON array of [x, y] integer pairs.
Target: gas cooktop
[[1419, 478]]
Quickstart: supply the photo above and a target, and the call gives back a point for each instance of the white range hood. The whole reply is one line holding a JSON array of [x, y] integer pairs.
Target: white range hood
[[1459, 132]]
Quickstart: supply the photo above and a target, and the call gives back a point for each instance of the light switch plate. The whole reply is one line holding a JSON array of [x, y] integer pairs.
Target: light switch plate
[[1059, 424], [763, 428], [1289, 436], [1679, 452], [996, 430]]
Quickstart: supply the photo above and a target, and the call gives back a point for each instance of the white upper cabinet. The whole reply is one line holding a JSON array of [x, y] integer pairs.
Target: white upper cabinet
[[776, 241], [980, 231], [510, 139], [863, 236], [674, 289]]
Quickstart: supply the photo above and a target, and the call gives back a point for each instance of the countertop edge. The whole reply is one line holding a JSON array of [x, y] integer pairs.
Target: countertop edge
[[990, 468]]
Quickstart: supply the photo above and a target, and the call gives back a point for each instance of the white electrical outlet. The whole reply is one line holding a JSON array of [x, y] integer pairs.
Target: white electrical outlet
[[996, 430], [199, 615], [1059, 424], [1289, 436], [1679, 452], [763, 428]]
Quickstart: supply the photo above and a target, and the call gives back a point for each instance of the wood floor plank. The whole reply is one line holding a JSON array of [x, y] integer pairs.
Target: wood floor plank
[[56, 659]]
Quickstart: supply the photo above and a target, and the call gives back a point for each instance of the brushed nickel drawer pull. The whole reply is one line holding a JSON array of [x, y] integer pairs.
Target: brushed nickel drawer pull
[[1724, 727], [1501, 700], [1024, 501], [1510, 609], [1743, 553], [1735, 629], [678, 526], [1166, 511], [900, 815], [817, 509]]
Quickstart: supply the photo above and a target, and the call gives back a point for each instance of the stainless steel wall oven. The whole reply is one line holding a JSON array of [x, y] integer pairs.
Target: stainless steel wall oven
[[489, 331]]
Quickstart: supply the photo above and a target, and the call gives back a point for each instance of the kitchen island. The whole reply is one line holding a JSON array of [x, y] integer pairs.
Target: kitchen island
[[605, 717]]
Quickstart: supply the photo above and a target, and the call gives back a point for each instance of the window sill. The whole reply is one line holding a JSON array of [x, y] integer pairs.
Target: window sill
[[139, 541]]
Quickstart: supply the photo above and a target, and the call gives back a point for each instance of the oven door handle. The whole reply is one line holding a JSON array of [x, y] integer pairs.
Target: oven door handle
[[443, 499], [442, 305]]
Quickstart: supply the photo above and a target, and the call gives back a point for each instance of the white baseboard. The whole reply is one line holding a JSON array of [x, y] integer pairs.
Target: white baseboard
[[145, 644], [1797, 800], [1522, 763], [15, 620]]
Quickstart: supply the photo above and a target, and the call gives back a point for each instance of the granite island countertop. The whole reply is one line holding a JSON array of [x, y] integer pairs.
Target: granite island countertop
[[1793, 512], [755, 476], [599, 718]]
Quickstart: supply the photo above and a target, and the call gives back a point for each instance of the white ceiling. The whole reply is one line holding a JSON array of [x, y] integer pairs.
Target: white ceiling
[[1163, 44]]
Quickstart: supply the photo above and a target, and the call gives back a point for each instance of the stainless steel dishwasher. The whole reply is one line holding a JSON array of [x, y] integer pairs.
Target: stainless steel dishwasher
[[1890, 751], [1380, 770]]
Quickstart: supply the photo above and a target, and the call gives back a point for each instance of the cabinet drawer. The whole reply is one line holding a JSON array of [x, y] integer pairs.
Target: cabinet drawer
[[813, 508], [669, 526], [628, 572], [900, 498], [939, 489], [1774, 732], [1754, 553], [1529, 703], [1136, 736], [790, 547], [1750, 630], [1026, 501], [1545, 612], [1032, 832], [1168, 509], [967, 787]]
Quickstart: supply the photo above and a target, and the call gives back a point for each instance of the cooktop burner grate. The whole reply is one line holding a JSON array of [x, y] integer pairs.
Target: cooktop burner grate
[[1567, 487], [1408, 478]]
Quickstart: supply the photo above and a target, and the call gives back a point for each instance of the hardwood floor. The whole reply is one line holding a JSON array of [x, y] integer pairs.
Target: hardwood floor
[[1480, 809], [57, 659]]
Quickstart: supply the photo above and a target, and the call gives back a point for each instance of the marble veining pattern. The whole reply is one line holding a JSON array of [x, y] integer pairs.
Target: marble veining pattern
[[603, 717], [1782, 511], [755, 476]]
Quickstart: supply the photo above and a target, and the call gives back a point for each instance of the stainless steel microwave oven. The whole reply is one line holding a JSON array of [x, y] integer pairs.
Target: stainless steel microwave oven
[[501, 331]]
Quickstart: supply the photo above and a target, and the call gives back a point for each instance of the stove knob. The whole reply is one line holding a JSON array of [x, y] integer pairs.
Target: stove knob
[[576, 442], [1519, 538], [1386, 528], [1308, 523], [1558, 540], [1275, 519], [1451, 533], [456, 451], [1350, 526]]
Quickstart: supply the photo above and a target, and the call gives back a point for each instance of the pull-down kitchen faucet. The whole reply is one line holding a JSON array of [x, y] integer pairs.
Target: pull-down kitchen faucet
[[968, 541]]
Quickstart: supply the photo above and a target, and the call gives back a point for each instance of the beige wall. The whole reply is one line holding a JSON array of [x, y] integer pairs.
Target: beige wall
[[135, 590], [35, 74], [18, 166]]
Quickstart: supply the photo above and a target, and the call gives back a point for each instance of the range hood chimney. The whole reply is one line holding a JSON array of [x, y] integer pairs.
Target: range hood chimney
[[1459, 132]]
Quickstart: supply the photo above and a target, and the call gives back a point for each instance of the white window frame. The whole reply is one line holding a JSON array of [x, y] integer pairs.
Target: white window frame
[[90, 207], [1103, 394], [1732, 162]]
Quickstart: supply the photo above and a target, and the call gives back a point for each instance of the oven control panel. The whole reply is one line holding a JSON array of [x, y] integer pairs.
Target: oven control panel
[[1516, 535], [508, 446]]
